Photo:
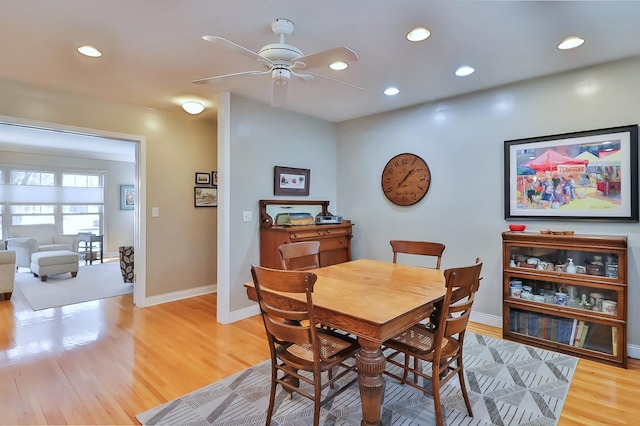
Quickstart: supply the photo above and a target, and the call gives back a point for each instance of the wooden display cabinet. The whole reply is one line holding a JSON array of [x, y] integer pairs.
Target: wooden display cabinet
[[581, 311], [335, 239]]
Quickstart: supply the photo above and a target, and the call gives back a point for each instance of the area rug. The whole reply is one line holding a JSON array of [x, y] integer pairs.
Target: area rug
[[97, 281], [508, 384]]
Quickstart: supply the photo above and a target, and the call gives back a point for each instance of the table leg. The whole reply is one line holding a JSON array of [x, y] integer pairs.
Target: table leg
[[371, 364]]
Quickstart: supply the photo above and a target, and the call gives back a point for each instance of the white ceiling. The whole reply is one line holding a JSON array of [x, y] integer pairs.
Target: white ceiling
[[153, 49]]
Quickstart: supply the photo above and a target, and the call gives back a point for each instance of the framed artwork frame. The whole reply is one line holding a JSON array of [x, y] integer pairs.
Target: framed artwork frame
[[214, 178], [203, 178], [291, 181], [205, 197], [587, 175], [127, 197]]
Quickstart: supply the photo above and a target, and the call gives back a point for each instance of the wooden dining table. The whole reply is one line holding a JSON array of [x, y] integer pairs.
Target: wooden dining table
[[374, 301]]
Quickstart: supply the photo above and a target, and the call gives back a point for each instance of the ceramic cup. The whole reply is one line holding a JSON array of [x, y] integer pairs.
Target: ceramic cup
[[538, 298], [515, 288], [610, 307], [561, 298]]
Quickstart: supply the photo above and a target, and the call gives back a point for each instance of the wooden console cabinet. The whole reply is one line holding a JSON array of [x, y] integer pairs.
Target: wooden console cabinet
[[335, 239], [572, 296]]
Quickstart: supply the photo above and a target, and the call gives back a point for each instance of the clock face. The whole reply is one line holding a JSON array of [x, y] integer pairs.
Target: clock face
[[406, 179]]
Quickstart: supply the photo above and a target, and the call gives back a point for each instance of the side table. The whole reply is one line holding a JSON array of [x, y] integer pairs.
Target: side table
[[90, 244]]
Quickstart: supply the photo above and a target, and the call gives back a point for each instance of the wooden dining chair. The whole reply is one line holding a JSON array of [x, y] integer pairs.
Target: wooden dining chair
[[304, 358], [442, 345], [300, 256], [423, 248]]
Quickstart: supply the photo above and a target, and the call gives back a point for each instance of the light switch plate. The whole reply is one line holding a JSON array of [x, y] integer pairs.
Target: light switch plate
[[247, 216], [155, 212]]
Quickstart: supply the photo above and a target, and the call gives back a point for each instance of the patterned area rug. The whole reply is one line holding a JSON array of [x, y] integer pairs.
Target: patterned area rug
[[508, 384]]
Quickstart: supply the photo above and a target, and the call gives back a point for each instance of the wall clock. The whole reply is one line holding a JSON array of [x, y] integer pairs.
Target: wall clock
[[405, 179]]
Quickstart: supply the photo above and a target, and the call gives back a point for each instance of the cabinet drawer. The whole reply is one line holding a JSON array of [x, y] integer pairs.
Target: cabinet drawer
[[337, 231], [327, 244], [306, 234]]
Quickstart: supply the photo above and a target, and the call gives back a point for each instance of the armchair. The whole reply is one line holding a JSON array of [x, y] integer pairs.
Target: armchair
[[7, 271], [28, 239]]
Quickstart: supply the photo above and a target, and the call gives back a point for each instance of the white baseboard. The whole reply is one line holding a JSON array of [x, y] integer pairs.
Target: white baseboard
[[244, 313], [179, 295]]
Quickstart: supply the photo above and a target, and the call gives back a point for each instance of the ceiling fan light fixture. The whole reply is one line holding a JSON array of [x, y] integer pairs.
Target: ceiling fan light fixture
[[418, 34], [338, 66], [89, 51], [391, 91], [571, 43], [193, 107], [465, 70]]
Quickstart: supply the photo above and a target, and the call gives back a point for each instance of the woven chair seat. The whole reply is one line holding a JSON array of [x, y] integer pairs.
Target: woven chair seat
[[329, 346]]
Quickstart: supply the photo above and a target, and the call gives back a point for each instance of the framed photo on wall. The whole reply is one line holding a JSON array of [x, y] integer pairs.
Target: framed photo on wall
[[205, 197], [291, 181], [127, 197], [203, 178], [588, 175]]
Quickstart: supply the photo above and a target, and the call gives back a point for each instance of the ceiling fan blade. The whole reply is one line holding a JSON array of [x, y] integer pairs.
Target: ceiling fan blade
[[336, 81], [235, 74], [279, 90], [305, 77], [326, 57], [236, 48]]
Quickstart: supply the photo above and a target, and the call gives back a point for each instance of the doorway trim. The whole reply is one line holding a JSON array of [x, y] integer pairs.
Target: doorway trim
[[140, 226]]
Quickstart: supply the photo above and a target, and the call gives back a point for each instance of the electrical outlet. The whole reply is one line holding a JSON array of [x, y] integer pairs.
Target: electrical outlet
[[247, 216]]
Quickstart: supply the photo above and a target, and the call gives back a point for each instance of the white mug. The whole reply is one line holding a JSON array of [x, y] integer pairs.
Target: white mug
[[610, 307]]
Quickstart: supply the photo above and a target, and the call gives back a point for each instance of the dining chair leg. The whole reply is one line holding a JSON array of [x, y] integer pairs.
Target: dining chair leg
[[272, 396], [436, 393], [463, 386]]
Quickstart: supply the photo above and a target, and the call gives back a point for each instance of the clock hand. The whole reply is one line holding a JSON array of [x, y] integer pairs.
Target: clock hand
[[405, 178]]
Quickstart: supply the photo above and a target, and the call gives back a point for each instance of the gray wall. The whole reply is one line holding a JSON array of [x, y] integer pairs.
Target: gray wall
[[262, 137], [462, 140]]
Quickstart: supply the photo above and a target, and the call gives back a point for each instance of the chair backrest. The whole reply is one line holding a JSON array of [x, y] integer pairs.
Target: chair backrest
[[300, 256], [423, 248], [284, 323], [462, 284]]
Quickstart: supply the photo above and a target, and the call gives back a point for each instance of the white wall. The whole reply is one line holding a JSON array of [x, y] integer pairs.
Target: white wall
[[462, 140], [262, 137]]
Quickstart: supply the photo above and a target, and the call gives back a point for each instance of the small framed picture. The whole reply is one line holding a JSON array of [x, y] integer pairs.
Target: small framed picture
[[214, 178], [205, 197], [291, 181], [203, 178], [127, 197]]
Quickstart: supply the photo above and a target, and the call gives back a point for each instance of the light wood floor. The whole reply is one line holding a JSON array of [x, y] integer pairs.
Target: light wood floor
[[103, 362]]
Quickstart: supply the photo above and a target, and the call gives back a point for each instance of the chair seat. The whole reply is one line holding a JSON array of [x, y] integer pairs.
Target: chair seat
[[331, 346], [418, 339]]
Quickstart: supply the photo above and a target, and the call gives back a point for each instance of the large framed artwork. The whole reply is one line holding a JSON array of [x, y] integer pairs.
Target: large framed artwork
[[291, 181], [588, 175]]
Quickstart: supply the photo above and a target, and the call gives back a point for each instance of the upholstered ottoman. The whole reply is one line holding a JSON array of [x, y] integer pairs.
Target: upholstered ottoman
[[45, 263]]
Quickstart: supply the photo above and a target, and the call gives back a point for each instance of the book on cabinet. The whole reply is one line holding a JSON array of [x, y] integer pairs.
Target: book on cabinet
[[581, 313]]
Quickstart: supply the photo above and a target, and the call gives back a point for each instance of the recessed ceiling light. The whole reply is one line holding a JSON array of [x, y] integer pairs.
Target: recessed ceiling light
[[338, 66], [90, 51], [465, 70], [570, 43], [418, 34], [391, 91], [193, 107]]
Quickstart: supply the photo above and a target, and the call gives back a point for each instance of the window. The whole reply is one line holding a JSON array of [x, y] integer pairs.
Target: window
[[72, 201]]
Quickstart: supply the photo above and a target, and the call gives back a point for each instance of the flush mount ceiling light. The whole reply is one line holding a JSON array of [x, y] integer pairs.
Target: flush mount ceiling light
[[418, 34], [338, 66], [571, 43], [465, 70], [193, 107], [391, 91], [90, 51]]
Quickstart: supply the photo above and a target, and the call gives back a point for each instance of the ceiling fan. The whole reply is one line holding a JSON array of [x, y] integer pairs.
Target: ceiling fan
[[282, 61]]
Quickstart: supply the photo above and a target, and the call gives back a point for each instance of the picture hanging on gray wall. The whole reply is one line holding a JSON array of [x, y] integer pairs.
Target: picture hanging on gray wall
[[587, 175]]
